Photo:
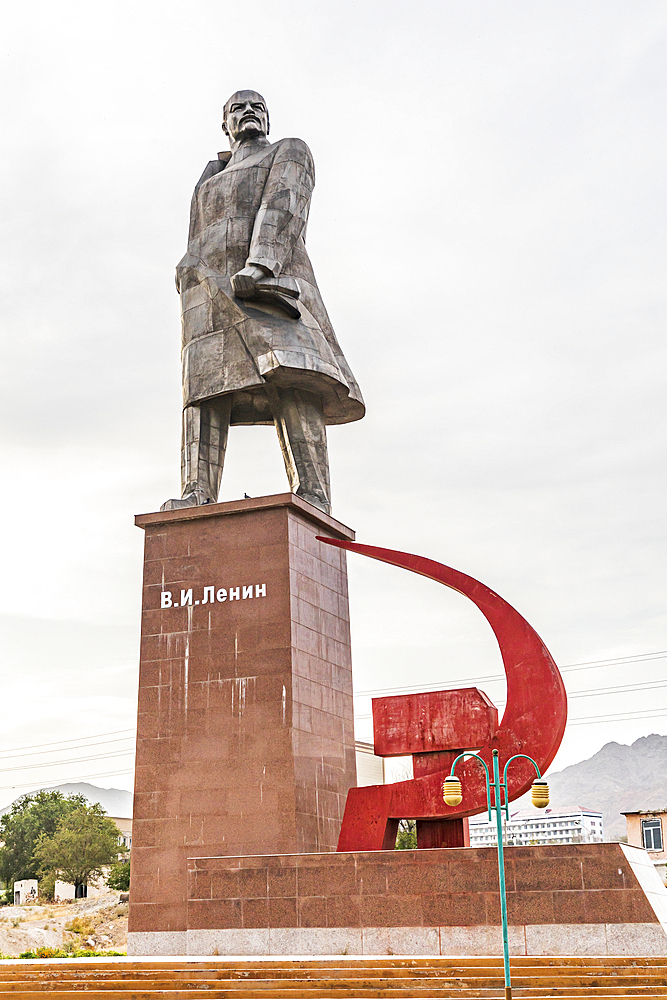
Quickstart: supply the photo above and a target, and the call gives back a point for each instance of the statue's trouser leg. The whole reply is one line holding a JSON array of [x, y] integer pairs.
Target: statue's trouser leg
[[205, 432], [302, 434]]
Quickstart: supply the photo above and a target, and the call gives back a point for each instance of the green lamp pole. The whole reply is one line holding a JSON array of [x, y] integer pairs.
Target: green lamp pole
[[453, 794]]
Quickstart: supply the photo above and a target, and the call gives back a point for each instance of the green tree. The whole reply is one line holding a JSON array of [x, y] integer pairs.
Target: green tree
[[32, 815], [119, 876], [84, 843], [406, 839], [47, 888]]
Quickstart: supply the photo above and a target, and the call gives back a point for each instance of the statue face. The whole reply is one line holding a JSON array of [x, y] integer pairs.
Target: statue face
[[245, 116]]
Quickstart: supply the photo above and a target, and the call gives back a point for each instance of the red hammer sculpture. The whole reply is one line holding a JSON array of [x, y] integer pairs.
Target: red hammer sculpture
[[436, 726]]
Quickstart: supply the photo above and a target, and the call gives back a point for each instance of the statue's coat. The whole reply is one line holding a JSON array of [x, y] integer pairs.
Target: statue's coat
[[251, 207]]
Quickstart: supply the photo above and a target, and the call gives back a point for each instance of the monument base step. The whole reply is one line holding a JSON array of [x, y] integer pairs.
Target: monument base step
[[405, 976], [563, 899], [527, 940]]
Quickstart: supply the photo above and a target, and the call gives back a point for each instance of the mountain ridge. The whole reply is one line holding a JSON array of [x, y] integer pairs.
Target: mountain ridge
[[115, 801], [619, 777]]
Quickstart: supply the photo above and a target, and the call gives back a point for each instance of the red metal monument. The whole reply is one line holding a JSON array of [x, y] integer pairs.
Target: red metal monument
[[436, 726]]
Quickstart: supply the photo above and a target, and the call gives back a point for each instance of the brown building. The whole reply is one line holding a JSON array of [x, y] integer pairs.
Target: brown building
[[124, 825], [648, 829]]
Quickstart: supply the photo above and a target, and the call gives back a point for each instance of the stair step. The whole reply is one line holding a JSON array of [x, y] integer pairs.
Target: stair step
[[442, 990], [333, 978], [287, 984], [448, 994]]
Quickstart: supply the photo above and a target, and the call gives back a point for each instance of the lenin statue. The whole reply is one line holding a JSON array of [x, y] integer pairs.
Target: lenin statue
[[258, 345]]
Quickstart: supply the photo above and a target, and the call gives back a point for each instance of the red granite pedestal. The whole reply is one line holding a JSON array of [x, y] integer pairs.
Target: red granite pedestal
[[245, 738], [577, 899]]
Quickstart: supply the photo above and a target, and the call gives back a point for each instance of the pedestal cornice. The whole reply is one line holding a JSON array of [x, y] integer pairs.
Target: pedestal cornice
[[246, 506]]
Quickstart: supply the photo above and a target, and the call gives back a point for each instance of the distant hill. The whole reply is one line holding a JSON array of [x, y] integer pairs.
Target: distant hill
[[116, 801], [616, 778]]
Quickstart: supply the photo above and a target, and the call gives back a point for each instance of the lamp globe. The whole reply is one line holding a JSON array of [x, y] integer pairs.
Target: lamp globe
[[452, 792], [540, 793]]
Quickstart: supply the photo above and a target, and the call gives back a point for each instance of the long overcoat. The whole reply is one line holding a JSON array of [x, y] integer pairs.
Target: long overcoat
[[251, 207]]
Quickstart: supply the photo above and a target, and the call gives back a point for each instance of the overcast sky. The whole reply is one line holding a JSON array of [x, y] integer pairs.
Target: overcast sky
[[488, 232]]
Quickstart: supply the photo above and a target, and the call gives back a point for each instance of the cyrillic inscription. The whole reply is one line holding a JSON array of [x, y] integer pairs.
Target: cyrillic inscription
[[212, 594]]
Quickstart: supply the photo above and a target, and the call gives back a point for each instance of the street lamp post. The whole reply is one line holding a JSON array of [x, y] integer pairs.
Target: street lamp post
[[452, 793]]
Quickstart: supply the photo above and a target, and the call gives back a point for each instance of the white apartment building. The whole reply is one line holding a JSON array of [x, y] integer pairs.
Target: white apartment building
[[370, 769], [543, 826]]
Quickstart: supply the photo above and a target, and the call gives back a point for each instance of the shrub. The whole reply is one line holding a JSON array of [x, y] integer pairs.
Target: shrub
[[406, 839], [47, 888], [119, 876], [81, 925], [47, 952], [63, 953]]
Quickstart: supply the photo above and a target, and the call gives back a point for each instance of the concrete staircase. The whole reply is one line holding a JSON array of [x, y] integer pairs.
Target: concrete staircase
[[332, 977]]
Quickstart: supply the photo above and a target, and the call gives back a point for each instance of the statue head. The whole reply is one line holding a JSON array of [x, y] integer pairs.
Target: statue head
[[245, 116]]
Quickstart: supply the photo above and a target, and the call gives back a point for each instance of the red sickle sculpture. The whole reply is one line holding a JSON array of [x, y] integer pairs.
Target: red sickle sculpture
[[533, 723]]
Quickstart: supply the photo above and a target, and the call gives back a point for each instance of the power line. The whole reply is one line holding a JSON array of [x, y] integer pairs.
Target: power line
[[619, 660], [76, 739], [68, 781], [657, 714], [621, 689], [660, 713], [589, 692], [623, 716], [61, 763], [619, 717], [86, 742], [590, 665], [85, 746]]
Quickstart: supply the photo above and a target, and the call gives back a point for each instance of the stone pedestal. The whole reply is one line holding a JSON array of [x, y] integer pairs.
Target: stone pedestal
[[566, 899], [245, 738]]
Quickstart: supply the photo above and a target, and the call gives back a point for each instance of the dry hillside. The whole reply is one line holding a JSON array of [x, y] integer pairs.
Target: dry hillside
[[98, 924]]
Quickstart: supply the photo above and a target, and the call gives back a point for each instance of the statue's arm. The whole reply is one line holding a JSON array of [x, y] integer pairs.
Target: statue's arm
[[283, 212], [212, 168]]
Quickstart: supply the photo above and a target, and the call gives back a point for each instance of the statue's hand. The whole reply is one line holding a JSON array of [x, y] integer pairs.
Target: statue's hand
[[244, 281]]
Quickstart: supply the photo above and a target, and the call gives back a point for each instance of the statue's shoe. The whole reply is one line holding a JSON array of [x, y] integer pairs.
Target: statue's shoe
[[316, 501], [191, 500]]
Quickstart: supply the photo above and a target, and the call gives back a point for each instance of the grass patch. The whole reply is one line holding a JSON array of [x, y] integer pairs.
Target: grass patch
[[81, 925], [63, 953]]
